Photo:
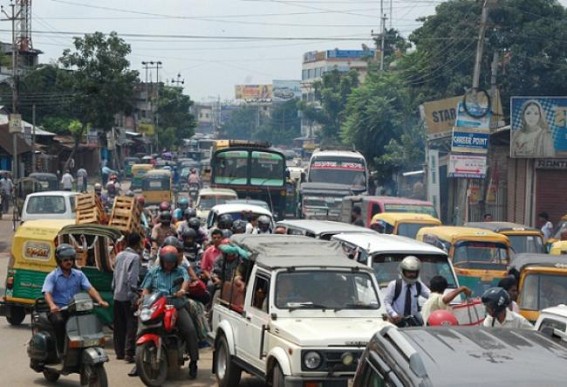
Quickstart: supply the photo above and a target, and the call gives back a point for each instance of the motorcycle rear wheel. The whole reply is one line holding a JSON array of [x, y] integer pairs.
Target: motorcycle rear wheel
[[146, 354]]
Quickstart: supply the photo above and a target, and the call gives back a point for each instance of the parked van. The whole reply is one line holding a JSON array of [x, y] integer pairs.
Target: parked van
[[383, 253], [49, 205], [524, 239], [543, 282], [321, 229], [480, 257], [372, 205], [402, 223]]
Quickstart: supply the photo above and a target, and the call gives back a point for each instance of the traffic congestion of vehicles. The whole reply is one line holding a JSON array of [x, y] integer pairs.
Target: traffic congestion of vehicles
[[356, 290]]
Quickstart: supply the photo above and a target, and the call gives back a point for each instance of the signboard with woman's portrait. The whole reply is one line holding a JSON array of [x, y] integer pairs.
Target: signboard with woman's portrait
[[538, 127]]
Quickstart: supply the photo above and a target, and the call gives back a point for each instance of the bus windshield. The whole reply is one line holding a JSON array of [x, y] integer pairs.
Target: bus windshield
[[243, 167], [338, 170]]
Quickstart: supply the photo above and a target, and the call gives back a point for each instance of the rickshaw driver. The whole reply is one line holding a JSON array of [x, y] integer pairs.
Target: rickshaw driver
[[61, 285]]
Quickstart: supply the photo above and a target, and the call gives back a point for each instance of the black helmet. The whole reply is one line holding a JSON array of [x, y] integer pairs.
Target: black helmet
[[168, 254], [183, 203], [63, 251], [189, 233], [496, 299], [239, 226], [171, 241], [165, 217], [194, 223], [226, 233], [225, 222], [189, 213]]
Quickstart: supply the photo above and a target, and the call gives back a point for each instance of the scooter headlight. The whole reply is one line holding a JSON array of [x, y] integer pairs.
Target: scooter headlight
[[146, 314], [83, 305]]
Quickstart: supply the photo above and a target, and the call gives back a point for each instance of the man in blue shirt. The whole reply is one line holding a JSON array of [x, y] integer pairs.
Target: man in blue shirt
[[61, 285]]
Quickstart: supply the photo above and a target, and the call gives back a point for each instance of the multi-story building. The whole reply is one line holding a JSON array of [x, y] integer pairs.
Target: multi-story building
[[316, 63]]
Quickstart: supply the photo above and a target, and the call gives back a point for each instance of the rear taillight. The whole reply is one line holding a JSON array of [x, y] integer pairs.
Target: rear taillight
[[10, 282]]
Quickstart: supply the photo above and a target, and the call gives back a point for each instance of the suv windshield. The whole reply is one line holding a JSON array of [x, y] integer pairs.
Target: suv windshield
[[46, 205], [317, 289], [386, 268], [543, 290], [208, 202]]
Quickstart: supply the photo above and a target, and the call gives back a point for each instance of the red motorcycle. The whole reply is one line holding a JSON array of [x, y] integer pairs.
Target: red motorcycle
[[160, 349]]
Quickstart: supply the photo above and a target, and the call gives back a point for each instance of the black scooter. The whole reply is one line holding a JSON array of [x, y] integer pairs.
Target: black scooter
[[83, 351]]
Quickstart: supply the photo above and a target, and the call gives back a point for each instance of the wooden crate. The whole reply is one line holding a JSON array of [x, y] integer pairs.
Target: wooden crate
[[86, 201], [89, 216], [125, 214]]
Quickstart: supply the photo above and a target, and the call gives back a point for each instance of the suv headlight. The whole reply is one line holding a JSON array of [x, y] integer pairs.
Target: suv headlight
[[312, 360]]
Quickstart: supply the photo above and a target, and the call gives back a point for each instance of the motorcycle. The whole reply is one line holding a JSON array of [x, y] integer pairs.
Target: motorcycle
[[193, 192], [159, 347], [84, 343]]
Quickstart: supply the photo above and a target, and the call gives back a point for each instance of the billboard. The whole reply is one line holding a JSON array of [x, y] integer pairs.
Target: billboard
[[285, 90], [350, 54], [253, 92], [538, 127]]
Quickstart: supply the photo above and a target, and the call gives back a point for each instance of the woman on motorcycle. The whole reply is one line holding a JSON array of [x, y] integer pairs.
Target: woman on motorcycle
[[160, 279]]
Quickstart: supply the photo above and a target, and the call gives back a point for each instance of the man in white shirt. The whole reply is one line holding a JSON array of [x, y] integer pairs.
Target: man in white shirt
[[401, 295], [438, 299], [67, 181], [547, 228], [496, 301]]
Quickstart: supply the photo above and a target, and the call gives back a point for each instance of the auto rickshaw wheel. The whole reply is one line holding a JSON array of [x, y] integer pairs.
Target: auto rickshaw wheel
[[51, 376], [16, 315]]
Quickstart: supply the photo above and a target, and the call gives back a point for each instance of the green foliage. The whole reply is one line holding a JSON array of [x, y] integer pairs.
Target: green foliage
[[241, 123], [102, 83], [283, 126], [175, 121], [331, 93]]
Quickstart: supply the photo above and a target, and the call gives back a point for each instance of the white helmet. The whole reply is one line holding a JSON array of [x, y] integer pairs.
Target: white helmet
[[409, 263]]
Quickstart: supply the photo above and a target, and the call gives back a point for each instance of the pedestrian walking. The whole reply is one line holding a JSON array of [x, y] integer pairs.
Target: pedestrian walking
[[6, 189], [67, 181], [82, 180], [125, 287]]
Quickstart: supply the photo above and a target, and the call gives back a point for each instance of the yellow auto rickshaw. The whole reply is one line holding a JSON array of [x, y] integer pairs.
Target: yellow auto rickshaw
[[402, 223], [138, 171], [157, 186], [33, 257], [523, 239], [558, 248], [480, 257], [543, 282]]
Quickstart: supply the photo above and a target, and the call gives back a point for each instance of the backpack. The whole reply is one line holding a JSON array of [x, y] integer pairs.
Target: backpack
[[398, 290]]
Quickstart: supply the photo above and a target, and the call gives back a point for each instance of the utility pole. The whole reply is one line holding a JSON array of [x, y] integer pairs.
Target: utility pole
[[158, 64], [178, 82], [33, 139], [480, 43], [13, 17], [382, 34]]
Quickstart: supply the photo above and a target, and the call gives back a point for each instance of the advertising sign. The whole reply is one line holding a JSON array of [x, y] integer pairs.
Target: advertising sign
[[471, 167], [253, 92], [433, 183], [285, 90], [466, 140], [538, 127], [15, 123], [465, 121], [440, 116], [343, 54]]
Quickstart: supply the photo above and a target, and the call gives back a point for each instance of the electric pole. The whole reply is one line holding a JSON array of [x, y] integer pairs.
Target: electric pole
[[178, 82], [480, 44], [15, 129]]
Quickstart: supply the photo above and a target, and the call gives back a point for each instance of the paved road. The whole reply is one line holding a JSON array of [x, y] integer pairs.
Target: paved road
[[15, 363]]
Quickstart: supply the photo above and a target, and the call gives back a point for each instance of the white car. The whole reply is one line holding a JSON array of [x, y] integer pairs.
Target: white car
[[237, 211], [295, 312], [49, 205], [210, 197], [553, 322]]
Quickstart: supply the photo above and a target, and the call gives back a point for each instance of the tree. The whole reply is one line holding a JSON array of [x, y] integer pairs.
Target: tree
[[102, 82], [331, 92], [242, 123], [174, 116], [284, 124]]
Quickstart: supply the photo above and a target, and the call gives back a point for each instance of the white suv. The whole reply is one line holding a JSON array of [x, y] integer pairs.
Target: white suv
[[294, 311], [553, 321]]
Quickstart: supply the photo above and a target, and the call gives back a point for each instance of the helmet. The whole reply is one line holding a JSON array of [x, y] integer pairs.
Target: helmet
[[110, 187], [141, 200], [239, 226], [165, 217], [189, 213], [177, 213], [441, 317], [164, 206], [189, 233], [183, 203], [263, 220], [130, 193], [98, 187], [225, 221], [168, 254], [497, 299], [194, 223], [409, 263], [63, 251], [226, 233], [171, 241]]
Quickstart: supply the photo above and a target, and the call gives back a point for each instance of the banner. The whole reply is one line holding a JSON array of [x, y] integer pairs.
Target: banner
[[253, 92], [538, 127], [285, 90], [471, 167], [467, 140]]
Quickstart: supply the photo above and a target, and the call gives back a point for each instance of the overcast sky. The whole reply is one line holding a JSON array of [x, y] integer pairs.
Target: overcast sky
[[202, 39]]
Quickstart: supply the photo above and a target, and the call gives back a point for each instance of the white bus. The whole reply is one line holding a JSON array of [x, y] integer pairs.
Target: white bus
[[344, 167]]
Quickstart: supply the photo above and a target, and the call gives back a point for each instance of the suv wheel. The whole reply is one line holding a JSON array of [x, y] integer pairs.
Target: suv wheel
[[228, 373], [278, 379]]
